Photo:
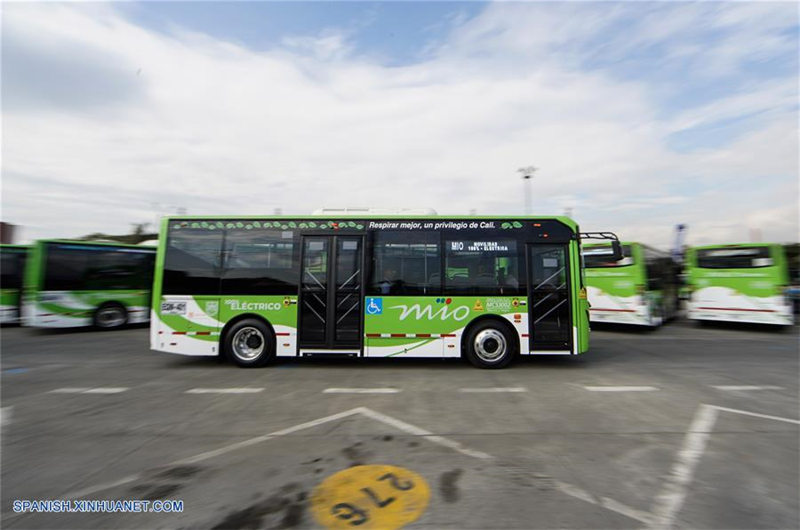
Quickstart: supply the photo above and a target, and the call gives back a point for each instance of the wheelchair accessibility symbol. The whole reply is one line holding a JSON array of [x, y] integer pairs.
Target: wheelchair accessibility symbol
[[374, 306]]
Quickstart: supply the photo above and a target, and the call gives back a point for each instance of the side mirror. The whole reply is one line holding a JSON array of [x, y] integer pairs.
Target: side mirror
[[616, 250]]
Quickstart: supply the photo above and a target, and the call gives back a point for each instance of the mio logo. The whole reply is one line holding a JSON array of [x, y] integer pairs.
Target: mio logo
[[443, 313]]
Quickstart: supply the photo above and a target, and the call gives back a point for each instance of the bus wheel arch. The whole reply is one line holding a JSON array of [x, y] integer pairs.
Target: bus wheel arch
[[248, 341], [110, 315], [487, 336]]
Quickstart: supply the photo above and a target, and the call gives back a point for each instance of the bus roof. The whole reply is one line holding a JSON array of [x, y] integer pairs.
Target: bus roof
[[735, 245], [632, 243], [567, 221], [91, 243]]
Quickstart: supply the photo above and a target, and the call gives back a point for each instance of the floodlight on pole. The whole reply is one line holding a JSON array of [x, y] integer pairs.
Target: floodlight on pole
[[527, 174]]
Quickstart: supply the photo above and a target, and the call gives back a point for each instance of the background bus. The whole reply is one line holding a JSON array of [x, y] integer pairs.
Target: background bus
[[12, 267], [81, 283], [740, 283], [255, 288], [640, 289]]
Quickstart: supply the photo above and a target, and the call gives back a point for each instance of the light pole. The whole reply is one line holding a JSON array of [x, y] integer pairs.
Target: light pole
[[527, 174]]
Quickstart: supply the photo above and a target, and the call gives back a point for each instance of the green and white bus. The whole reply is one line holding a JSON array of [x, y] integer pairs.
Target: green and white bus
[[251, 289], [639, 289], [12, 268], [745, 282], [82, 283]]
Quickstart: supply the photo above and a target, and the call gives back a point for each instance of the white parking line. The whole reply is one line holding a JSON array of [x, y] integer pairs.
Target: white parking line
[[620, 388], [669, 501], [87, 390], [757, 415], [245, 390], [5, 416], [449, 443], [110, 390], [747, 387], [361, 391], [491, 390]]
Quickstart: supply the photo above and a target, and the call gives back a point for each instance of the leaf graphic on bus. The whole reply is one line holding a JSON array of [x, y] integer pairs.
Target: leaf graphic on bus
[[248, 227], [312, 224], [284, 227], [292, 224], [505, 226], [176, 227], [517, 224], [220, 224], [303, 225], [204, 224], [240, 225], [351, 224], [257, 224], [360, 226], [276, 224], [195, 225]]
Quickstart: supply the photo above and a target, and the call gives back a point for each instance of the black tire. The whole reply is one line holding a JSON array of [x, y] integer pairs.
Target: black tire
[[249, 343], [489, 344], [110, 316]]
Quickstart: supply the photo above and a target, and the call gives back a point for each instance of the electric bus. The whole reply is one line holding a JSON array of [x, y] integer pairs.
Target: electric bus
[[745, 282], [12, 267], [254, 288], [84, 283], [639, 289]]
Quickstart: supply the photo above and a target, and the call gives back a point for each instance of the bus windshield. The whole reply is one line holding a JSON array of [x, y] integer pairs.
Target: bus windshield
[[597, 257], [734, 258]]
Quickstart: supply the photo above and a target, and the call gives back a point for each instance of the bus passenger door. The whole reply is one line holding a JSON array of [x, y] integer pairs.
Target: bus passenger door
[[330, 312], [549, 306]]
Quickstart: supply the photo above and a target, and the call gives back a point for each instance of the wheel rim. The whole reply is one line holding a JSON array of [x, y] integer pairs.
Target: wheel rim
[[490, 345], [248, 343], [110, 317]]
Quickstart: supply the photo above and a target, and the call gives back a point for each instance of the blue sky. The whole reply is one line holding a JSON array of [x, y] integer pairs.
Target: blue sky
[[639, 115], [396, 33]]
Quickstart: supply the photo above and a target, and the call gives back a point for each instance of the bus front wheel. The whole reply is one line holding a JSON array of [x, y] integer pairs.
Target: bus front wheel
[[250, 343], [490, 345], [110, 316]]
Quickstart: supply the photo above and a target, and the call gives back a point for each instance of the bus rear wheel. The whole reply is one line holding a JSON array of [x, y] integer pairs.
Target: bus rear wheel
[[110, 316], [490, 345], [249, 343]]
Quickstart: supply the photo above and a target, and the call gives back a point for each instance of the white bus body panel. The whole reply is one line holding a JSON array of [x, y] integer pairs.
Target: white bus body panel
[[728, 305], [9, 314], [607, 309]]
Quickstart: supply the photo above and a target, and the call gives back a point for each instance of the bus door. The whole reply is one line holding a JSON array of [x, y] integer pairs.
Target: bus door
[[331, 294], [549, 311]]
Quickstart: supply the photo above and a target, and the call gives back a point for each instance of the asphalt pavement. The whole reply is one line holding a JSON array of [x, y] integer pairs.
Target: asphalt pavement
[[685, 427]]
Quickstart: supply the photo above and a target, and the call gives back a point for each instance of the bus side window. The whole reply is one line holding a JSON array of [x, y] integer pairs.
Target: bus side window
[[259, 262], [405, 263], [476, 266], [192, 262]]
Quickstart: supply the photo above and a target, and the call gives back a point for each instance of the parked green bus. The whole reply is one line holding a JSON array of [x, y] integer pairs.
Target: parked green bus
[[639, 289], [12, 267], [746, 282], [255, 288], [82, 283]]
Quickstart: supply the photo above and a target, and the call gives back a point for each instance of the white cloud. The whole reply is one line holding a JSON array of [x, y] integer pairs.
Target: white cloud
[[220, 129], [330, 44]]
